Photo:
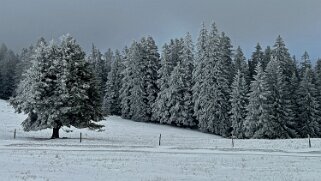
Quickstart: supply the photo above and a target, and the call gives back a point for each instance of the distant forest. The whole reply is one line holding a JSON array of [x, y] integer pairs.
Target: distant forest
[[209, 85]]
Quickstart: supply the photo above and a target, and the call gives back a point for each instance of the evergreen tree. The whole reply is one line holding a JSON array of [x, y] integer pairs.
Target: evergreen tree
[[138, 96], [226, 56], [62, 90], [112, 104], [180, 87], [8, 80], [212, 85], [257, 117], [239, 102], [198, 77], [161, 106], [82, 106], [280, 53], [150, 59], [98, 65], [281, 118], [309, 108], [294, 106], [318, 79], [125, 91]]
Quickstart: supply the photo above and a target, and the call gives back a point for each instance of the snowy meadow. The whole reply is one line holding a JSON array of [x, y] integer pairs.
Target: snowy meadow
[[128, 150]]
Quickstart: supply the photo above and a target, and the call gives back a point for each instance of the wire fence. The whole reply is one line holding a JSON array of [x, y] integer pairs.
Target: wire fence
[[164, 140]]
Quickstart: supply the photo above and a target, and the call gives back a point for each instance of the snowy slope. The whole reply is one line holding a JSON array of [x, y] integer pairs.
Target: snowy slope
[[129, 150]]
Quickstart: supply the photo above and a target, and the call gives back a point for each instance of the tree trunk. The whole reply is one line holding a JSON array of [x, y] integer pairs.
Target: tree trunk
[[55, 133]]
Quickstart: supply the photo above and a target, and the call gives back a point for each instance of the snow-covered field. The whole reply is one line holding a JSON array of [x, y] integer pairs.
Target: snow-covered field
[[129, 150]]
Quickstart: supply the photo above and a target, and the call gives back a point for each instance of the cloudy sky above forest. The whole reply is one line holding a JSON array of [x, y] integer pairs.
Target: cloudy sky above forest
[[116, 23]]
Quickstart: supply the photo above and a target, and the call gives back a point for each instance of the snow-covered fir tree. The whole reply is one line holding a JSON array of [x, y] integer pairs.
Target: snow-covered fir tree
[[212, 85], [8, 79], [281, 54], [137, 97], [98, 64], [294, 106], [239, 101], [281, 116], [111, 103], [318, 79], [171, 55], [62, 89], [82, 106], [257, 117], [161, 106], [180, 88], [309, 107], [126, 85], [151, 63], [201, 60], [226, 56]]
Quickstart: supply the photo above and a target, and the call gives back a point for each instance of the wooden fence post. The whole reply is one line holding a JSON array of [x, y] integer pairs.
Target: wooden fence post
[[232, 140], [309, 141], [80, 137], [14, 133], [159, 140]]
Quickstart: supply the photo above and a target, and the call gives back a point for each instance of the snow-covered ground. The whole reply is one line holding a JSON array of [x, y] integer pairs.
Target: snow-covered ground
[[129, 150]]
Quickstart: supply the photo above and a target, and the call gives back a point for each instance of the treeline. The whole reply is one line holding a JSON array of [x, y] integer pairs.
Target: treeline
[[215, 89], [210, 87]]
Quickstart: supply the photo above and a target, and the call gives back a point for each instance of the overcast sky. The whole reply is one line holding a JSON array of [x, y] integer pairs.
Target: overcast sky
[[116, 23]]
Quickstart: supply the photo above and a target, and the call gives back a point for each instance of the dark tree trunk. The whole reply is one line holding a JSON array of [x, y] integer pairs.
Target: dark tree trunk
[[55, 133]]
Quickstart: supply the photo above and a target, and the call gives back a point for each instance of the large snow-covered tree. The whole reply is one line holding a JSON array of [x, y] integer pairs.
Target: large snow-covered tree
[[256, 122], [138, 105], [201, 60], [62, 89], [151, 64], [281, 116], [239, 101], [171, 55], [212, 83], [161, 106], [180, 88], [139, 93]]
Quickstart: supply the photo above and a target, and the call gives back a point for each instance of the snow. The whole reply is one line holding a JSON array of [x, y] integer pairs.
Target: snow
[[129, 150]]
